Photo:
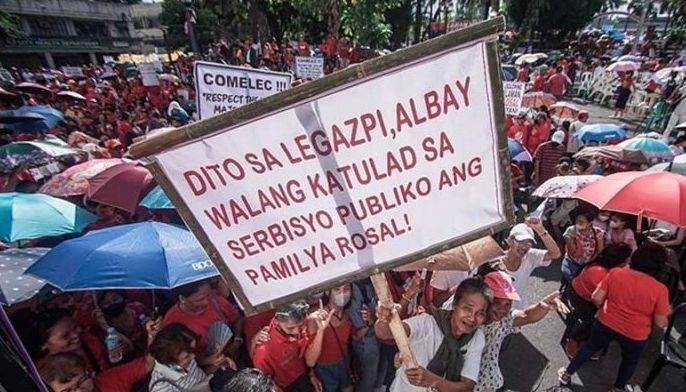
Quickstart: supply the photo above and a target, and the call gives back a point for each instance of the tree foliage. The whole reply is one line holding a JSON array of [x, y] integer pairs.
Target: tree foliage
[[552, 18], [370, 22], [9, 25]]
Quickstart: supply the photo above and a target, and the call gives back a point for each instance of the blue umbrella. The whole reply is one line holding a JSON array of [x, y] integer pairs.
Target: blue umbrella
[[156, 199], [52, 115], [14, 285], [517, 151], [600, 132], [145, 255], [651, 148], [25, 216]]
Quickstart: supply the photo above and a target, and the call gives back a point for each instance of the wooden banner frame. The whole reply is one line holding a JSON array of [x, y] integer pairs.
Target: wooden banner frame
[[482, 32]]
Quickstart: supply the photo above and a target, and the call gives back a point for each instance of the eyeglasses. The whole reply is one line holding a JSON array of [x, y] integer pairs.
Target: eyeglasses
[[87, 376]]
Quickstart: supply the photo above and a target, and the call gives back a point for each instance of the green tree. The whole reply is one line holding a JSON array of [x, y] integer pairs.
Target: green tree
[[9, 25], [554, 19]]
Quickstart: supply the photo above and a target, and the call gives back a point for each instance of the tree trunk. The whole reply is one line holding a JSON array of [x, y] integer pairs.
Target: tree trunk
[[334, 17]]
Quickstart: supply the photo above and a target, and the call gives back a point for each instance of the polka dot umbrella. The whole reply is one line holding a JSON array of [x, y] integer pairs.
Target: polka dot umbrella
[[14, 285]]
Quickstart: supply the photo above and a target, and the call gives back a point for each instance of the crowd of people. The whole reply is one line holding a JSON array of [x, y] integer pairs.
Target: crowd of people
[[280, 56], [613, 285]]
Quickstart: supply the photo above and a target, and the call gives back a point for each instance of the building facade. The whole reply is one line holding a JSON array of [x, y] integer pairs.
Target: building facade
[[75, 32]]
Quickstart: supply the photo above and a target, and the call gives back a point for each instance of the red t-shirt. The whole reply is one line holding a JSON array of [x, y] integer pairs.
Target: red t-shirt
[[91, 344], [219, 309], [304, 49], [282, 357], [558, 84], [334, 343], [539, 83], [520, 133], [523, 75], [121, 378], [588, 280], [632, 301], [254, 323]]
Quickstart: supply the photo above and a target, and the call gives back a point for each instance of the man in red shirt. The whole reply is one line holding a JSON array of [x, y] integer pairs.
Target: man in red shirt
[[539, 82], [282, 356], [303, 47], [523, 74], [558, 83], [520, 130]]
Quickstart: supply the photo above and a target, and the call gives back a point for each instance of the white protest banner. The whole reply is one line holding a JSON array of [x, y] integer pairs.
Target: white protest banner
[[345, 182], [72, 72], [148, 74], [220, 87], [309, 67], [513, 93]]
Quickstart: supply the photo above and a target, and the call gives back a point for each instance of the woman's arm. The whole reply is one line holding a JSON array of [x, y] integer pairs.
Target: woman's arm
[[598, 297], [383, 318], [536, 312], [678, 240], [422, 377]]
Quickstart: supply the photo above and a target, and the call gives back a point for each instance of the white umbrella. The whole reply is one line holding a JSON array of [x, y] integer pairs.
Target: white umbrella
[[527, 58], [541, 55], [71, 94], [680, 158], [662, 76], [564, 187], [623, 66]]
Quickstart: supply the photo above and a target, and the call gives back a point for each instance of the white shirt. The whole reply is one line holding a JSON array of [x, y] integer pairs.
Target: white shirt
[[166, 379], [425, 339], [533, 259]]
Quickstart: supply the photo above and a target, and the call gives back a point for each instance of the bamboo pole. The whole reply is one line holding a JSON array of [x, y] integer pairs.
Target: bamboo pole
[[396, 324], [228, 120]]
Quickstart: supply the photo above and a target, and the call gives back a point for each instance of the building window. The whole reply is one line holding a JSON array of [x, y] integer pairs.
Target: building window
[[48, 27], [122, 29], [90, 29]]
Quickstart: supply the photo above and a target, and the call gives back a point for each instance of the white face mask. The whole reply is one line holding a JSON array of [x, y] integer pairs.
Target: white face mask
[[614, 224], [603, 218], [341, 299]]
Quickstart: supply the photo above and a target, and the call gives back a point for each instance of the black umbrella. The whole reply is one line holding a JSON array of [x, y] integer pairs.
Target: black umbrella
[[14, 117]]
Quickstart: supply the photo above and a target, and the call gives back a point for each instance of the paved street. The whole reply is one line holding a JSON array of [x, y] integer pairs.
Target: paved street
[[531, 359]]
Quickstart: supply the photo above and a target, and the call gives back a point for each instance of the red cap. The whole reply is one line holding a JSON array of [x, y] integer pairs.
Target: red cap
[[501, 284]]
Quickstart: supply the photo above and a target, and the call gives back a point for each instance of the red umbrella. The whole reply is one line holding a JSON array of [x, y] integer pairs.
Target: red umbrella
[[33, 88], [74, 180], [656, 195], [538, 99], [564, 110], [121, 186]]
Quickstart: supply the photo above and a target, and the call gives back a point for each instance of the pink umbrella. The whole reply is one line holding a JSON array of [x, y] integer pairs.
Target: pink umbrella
[[74, 180], [564, 110], [623, 66], [121, 186], [538, 99], [33, 88]]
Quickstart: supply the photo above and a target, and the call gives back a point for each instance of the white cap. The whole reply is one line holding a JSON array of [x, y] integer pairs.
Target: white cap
[[558, 137], [522, 232]]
